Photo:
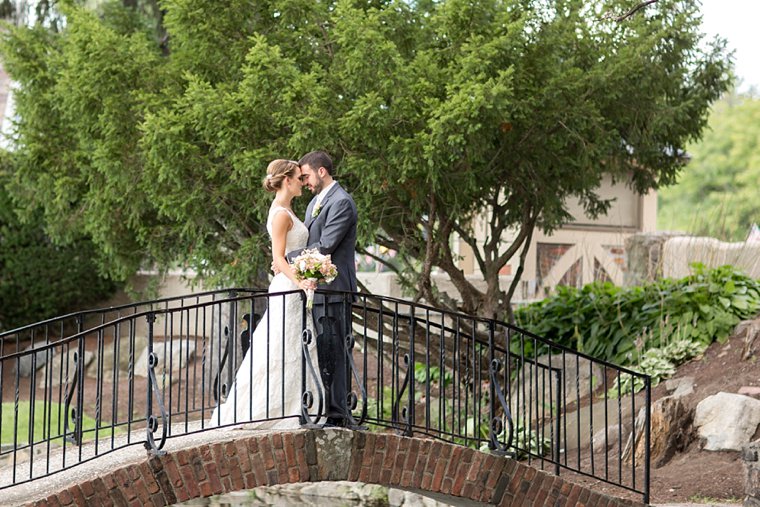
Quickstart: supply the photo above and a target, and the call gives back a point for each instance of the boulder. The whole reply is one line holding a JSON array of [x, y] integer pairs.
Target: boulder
[[607, 438], [59, 371], [679, 387], [109, 349], [175, 353], [535, 383], [751, 459], [751, 391], [748, 331], [727, 421], [645, 256], [671, 432], [25, 361]]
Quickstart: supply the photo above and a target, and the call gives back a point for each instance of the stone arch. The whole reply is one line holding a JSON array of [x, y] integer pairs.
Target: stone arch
[[327, 455]]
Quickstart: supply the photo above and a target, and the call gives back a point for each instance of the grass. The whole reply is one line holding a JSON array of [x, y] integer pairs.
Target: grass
[[47, 424]]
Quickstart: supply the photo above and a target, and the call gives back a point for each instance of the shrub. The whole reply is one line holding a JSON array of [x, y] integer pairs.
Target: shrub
[[39, 279], [617, 323]]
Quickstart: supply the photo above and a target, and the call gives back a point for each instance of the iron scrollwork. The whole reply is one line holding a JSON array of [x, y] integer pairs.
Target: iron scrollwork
[[497, 422], [152, 419], [353, 400], [73, 414], [307, 399], [402, 419]]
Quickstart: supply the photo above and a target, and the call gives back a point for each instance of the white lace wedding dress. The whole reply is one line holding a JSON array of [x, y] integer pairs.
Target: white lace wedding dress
[[268, 383]]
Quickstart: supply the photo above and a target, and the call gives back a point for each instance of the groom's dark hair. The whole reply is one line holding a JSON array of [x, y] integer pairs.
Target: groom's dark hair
[[317, 159]]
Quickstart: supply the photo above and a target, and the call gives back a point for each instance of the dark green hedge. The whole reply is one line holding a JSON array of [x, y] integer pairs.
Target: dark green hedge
[[39, 279]]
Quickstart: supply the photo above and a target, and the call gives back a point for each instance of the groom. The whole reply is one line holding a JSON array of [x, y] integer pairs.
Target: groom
[[331, 218]]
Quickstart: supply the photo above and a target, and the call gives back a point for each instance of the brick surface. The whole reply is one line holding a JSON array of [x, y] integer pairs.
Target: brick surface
[[390, 452], [379, 458], [460, 472], [118, 498], [583, 497], [575, 492], [77, 496], [220, 459], [65, 498], [267, 454], [88, 489], [148, 478], [243, 456], [288, 443], [213, 479]]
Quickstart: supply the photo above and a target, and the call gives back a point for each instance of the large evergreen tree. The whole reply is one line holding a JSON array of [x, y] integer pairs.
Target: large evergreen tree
[[436, 112], [40, 279]]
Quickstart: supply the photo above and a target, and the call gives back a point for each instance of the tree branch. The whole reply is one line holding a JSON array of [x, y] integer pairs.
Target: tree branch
[[426, 288], [630, 13], [472, 243], [518, 274], [377, 258]]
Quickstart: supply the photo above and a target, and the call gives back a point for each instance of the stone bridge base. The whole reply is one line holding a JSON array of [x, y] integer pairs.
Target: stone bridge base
[[325, 455]]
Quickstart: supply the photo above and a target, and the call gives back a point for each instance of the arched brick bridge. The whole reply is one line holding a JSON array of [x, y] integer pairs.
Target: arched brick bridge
[[252, 459]]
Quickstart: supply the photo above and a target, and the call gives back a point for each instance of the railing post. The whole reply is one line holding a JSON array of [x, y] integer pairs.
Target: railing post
[[491, 390], [558, 428], [151, 318], [647, 436], [410, 372], [232, 339], [76, 413]]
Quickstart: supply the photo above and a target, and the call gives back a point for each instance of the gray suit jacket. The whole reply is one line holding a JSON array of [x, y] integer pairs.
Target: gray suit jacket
[[333, 232]]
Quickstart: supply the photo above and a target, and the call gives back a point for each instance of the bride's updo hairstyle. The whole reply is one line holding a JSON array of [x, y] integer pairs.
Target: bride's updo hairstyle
[[277, 171]]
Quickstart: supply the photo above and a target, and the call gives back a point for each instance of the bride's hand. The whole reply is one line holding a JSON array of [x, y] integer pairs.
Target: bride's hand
[[307, 285], [274, 269]]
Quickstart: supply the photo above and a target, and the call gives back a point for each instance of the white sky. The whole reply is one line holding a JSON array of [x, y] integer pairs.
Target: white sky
[[737, 21]]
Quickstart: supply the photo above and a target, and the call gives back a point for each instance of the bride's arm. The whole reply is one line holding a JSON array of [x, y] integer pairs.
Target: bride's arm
[[281, 224]]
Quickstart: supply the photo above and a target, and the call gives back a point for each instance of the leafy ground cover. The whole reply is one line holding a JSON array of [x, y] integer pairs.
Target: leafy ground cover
[[653, 327]]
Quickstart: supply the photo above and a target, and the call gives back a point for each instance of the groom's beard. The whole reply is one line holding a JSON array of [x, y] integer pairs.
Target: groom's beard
[[317, 188]]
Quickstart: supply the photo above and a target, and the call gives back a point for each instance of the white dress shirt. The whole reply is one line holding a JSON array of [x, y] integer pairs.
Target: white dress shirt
[[323, 193]]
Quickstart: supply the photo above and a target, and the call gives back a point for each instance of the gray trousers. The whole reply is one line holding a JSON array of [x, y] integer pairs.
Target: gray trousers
[[332, 321]]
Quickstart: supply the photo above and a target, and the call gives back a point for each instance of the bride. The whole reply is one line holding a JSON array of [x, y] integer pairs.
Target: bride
[[267, 385]]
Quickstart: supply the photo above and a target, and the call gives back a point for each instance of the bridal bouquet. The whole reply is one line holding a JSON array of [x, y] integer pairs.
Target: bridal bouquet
[[312, 265]]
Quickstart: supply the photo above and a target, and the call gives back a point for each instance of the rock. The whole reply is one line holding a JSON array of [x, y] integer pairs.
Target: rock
[[751, 391], [671, 432], [607, 438], [109, 350], [336, 443], [727, 421], [645, 256], [140, 343], [578, 380], [182, 352], [750, 455], [680, 387], [334, 493], [602, 413], [57, 375], [25, 361], [748, 331]]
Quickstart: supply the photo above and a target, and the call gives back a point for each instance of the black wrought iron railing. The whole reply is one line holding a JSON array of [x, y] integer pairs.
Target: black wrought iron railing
[[88, 384]]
